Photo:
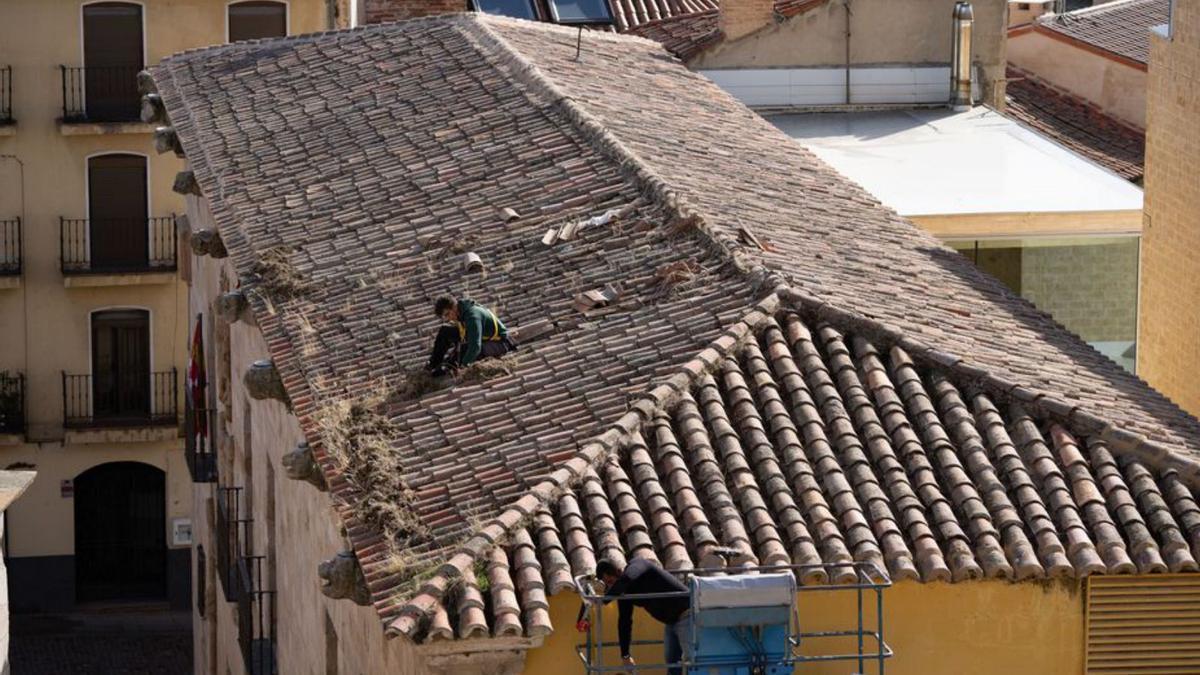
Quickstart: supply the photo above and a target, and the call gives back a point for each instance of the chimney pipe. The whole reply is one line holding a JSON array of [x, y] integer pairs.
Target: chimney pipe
[[960, 60]]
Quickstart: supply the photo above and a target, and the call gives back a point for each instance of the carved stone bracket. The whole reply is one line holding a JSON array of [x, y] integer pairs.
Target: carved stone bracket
[[234, 306], [208, 242], [342, 577], [166, 140], [153, 110], [145, 83], [300, 465], [263, 382], [185, 183]]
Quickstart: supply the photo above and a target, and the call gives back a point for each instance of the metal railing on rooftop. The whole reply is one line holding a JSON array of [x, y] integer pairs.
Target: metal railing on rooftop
[[12, 403], [10, 247], [120, 400], [100, 94], [117, 245]]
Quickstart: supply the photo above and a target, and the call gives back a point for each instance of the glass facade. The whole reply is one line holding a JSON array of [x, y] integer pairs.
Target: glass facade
[[1088, 284]]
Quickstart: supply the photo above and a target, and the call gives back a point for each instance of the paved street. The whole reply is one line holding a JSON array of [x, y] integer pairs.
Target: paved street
[[102, 643]]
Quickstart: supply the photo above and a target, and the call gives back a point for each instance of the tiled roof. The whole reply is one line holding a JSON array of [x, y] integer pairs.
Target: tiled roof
[[631, 13], [687, 34], [1076, 123], [370, 154], [1121, 28]]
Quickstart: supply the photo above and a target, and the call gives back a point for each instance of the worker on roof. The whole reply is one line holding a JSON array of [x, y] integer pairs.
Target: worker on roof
[[472, 332], [641, 577]]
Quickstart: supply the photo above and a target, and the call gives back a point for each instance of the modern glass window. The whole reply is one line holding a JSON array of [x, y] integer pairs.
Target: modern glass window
[[581, 11], [1088, 284], [519, 9], [256, 20]]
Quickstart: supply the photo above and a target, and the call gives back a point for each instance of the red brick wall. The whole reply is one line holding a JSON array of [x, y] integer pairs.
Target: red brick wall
[[378, 11]]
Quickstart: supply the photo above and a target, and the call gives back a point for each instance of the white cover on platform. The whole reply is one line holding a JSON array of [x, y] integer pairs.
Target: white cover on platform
[[744, 590]]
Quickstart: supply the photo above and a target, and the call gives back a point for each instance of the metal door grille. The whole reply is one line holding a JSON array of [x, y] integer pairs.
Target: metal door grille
[[1148, 625]]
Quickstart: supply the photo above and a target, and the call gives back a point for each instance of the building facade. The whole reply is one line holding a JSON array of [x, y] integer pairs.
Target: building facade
[[93, 351], [1170, 323]]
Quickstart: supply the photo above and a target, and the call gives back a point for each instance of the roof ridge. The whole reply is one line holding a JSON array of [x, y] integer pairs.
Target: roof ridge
[[1120, 440], [426, 599]]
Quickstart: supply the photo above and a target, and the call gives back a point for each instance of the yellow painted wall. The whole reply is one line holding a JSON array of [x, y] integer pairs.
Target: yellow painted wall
[[1169, 341], [45, 327], [1117, 88], [982, 628]]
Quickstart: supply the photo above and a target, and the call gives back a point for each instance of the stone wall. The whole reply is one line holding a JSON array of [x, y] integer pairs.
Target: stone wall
[[1169, 346]]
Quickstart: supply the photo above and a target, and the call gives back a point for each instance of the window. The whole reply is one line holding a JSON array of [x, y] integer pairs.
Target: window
[[112, 57], [519, 9], [118, 232], [201, 580], [581, 11], [1088, 284], [121, 364], [256, 20]]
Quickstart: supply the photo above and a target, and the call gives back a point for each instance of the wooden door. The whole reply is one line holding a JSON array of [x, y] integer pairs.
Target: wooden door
[[120, 533], [112, 57], [121, 365], [117, 213]]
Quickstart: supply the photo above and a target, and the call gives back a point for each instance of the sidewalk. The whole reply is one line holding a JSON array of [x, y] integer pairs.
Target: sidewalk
[[102, 641]]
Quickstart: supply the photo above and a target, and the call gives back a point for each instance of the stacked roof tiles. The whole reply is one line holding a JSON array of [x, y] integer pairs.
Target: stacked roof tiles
[[1120, 28], [1077, 124], [789, 368]]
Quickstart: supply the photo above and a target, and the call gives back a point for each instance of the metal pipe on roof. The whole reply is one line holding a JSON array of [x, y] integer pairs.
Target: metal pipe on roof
[[960, 63]]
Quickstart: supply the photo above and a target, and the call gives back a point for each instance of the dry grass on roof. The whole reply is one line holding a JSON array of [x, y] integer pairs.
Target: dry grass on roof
[[359, 440], [276, 276]]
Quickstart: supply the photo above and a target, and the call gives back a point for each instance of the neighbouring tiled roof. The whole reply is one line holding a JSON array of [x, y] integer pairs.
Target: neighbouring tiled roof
[[631, 13], [1121, 27], [367, 152], [686, 34], [1076, 123]]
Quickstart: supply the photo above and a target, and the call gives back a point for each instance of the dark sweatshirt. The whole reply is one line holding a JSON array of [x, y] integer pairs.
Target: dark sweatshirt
[[643, 576], [476, 323]]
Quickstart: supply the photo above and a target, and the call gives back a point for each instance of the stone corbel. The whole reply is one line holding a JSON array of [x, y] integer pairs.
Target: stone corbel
[[145, 83], [234, 306], [263, 382], [185, 184], [342, 577], [208, 242], [300, 465], [166, 140], [153, 110]]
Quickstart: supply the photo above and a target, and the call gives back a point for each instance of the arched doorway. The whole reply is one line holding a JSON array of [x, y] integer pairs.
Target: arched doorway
[[120, 533]]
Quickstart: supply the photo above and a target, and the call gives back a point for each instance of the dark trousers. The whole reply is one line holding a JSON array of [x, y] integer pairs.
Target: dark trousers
[[444, 356]]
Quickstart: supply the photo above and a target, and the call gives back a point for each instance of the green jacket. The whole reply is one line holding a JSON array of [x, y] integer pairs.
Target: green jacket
[[476, 323]]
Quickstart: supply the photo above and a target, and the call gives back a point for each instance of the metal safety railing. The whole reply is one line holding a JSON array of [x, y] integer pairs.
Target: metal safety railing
[[232, 533], [117, 245], [869, 579], [256, 617], [12, 403], [6, 113], [10, 247], [110, 399], [199, 448], [100, 94]]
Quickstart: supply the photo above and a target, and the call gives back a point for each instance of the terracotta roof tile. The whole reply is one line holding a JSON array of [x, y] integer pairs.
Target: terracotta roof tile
[[1076, 123], [686, 34], [1121, 28], [863, 411]]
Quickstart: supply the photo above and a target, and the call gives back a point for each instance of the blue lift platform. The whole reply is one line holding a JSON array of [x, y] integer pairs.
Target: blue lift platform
[[747, 621]]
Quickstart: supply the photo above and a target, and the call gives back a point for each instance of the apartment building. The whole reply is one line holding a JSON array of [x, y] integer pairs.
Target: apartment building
[[93, 313]]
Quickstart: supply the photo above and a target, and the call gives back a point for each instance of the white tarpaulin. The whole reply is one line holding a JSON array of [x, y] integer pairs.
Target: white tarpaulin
[[744, 590]]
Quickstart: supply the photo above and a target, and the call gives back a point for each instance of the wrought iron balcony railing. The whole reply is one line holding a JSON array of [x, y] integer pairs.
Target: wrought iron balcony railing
[[6, 113], [100, 94], [120, 400], [256, 617], [10, 247], [231, 535], [117, 245], [198, 446], [12, 403]]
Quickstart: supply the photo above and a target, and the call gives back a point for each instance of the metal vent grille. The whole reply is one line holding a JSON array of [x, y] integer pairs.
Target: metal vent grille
[[1143, 625]]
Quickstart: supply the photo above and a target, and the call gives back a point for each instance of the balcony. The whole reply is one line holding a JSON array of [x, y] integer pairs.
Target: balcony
[[101, 99], [198, 447], [256, 617], [6, 113], [10, 253], [119, 400], [12, 404], [115, 247], [231, 535]]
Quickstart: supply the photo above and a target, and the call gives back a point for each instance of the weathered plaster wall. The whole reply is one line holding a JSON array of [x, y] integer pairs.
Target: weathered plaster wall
[[1116, 88], [1169, 341], [882, 32], [983, 628], [303, 533]]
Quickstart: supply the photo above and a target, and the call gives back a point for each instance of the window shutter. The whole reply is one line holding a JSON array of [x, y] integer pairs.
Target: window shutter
[[1143, 624]]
